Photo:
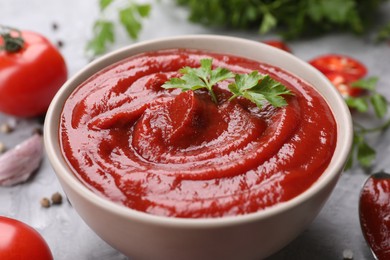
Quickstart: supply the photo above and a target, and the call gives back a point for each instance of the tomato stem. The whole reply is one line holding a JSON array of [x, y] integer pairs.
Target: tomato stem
[[11, 43]]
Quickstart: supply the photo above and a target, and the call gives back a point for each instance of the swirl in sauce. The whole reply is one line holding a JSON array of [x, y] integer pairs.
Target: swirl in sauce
[[173, 153]]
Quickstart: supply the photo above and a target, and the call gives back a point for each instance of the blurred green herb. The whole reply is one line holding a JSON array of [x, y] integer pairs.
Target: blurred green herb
[[384, 33], [130, 15], [256, 87], [361, 150], [361, 103], [293, 18]]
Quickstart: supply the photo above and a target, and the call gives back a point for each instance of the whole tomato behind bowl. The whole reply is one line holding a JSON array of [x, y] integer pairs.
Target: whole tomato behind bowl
[[31, 72], [278, 44], [20, 241]]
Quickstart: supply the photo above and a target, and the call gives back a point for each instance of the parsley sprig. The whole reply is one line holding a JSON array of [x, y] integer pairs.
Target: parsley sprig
[[130, 15], [361, 103], [361, 149], [254, 86], [202, 77], [259, 88]]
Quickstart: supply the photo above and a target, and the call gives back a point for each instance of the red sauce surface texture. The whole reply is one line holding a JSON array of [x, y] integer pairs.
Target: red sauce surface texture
[[173, 153], [375, 216]]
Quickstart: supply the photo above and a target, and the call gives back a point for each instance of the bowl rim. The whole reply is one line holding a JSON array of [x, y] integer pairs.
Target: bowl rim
[[63, 172]]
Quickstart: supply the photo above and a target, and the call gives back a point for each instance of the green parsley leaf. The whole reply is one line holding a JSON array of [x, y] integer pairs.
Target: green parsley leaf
[[349, 162], [384, 33], [365, 153], [103, 35], [361, 149], [104, 3], [336, 12], [130, 16], [368, 84], [358, 103], [268, 23], [143, 10], [254, 86], [379, 103], [197, 78], [259, 88]]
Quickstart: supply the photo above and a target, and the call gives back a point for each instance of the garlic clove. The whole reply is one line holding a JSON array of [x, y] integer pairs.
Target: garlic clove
[[17, 164]]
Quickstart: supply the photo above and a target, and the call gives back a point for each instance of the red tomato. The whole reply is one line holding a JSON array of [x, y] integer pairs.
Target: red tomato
[[20, 241], [30, 77], [278, 44], [341, 70]]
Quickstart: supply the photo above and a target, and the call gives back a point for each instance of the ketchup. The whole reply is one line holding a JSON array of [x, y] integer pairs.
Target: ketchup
[[375, 214], [179, 154]]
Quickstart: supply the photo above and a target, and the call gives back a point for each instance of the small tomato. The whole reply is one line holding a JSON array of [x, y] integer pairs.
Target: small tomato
[[31, 72], [20, 241]]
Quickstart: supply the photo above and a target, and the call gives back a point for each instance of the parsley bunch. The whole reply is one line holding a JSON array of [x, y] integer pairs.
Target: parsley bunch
[[293, 18], [197, 78], [255, 87]]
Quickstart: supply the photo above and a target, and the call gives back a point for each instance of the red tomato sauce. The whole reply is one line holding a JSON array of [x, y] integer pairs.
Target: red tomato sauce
[[173, 153], [375, 215]]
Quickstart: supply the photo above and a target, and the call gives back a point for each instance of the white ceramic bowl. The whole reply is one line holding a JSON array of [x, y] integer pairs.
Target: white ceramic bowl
[[253, 236]]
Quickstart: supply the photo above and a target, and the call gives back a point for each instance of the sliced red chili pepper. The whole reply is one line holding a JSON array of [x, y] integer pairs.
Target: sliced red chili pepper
[[346, 66], [343, 85], [342, 71]]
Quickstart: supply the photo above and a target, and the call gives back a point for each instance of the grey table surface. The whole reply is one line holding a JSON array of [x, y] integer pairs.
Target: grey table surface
[[335, 229]]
